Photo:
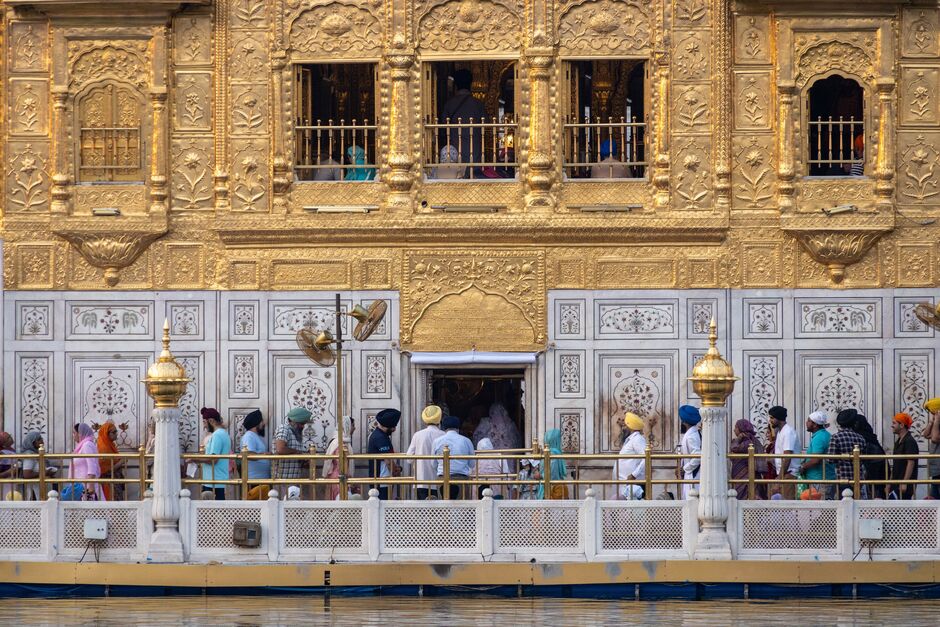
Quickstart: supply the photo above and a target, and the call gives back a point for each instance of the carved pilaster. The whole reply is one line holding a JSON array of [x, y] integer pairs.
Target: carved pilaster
[[722, 34], [282, 127], [60, 179], [158, 170], [539, 59], [786, 169], [401, 179], [884, 166], [661, 132]]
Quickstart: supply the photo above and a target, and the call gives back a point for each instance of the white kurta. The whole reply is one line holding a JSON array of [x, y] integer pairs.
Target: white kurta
[[635, 444], [691, 445], [422, 443]]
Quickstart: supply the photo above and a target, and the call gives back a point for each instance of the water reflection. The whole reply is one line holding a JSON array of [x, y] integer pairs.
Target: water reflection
[[414, 612]]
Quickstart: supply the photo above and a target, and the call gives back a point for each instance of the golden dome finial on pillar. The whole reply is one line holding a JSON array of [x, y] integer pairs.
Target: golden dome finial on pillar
[[166, 380], [713, 377]]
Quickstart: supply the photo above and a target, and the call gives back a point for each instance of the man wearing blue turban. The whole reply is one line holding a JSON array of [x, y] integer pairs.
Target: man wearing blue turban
[[691, 444]]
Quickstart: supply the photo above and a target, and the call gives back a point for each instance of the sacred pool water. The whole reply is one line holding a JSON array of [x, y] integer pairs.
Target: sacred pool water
[[451, 610]]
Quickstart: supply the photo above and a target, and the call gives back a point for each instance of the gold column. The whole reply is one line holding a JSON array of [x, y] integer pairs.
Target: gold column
[[539, 58], [281, 180], [660, 168], [60, 178], [884, 166], [220, 127], [401, 59], [722, 31], [786, 170], [158, 171]]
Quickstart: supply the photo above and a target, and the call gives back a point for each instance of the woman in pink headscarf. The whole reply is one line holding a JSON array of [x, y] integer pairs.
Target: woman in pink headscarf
[[85, 467]]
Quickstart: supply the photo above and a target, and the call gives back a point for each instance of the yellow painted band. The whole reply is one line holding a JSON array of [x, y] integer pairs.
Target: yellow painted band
[[469, 574]]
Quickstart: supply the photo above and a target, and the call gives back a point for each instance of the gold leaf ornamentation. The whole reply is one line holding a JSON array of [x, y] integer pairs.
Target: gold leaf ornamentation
[[606, 26], [110, 251]]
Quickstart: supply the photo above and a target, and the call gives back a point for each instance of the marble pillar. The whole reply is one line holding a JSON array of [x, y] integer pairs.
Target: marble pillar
[[166, 544]]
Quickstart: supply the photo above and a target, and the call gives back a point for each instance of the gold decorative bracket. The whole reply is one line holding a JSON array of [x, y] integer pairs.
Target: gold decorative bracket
[[835, 243], [111, 250]]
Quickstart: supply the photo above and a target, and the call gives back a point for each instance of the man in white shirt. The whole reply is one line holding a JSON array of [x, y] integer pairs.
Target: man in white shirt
[[691, 444], [422, 443], [786, 442], [631, 469]]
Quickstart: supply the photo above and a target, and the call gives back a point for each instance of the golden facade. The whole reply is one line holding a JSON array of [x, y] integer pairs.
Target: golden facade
[[182, 116]]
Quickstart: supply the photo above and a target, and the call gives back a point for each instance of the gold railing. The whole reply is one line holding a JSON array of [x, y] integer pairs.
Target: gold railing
[[471, 149], [506, 485], [108, 151], [323, 151], [832, 144], [596, 149]]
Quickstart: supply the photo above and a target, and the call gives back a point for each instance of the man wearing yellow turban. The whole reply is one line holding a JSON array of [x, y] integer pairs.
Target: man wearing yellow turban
[[931, 433], [631, 469], [422, 443]]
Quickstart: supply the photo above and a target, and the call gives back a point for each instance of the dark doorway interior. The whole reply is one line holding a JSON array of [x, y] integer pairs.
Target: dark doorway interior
[[469, 395]]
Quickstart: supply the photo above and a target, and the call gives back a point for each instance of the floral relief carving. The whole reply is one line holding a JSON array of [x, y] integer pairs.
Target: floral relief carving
[[34, 394], [28, 44], [27, 178], [249, 178], [248, 13], [193, 40], [915, 389], [570, 374], [605, 26], [919, 95], [691, 11], [338, 28], [916, 267], [123, 60], [818, 56], [472, 25], [131, 199], [29, 107], [518, 277], [637, 319], [837, 319], [193, 108], [752, 46], [191, 182], [762, 384], [752, 101], [918, 168], [691, 58], [570, 320], [249, 110], [111, 252], [919, 32], [753, 176], [692, 108], [248, 57], [693, 175], [837, 389]]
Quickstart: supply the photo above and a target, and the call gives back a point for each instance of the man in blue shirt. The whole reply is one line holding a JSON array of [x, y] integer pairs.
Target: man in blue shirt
[[380, 442], [218, 444], [253, 440], [460, 469]]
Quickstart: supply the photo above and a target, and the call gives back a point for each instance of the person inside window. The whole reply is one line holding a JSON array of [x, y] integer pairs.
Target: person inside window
[[463, 108], [610, 167]]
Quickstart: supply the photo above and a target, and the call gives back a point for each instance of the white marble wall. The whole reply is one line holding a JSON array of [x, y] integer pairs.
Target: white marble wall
[[81, 356], [804, 349]]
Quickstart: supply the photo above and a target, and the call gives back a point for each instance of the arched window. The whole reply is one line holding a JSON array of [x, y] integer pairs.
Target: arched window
[[836, 128], [110, 145]]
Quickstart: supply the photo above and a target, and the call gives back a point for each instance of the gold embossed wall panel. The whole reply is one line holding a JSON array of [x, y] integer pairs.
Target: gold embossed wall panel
[[478, 26], [918, 145], [191, 149], [607, 27], [691, 106], [26, 169], [753, 154], [248, 124]]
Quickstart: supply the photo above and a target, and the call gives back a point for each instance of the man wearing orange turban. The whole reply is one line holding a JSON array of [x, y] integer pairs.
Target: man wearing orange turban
[[931, 433], [903, 469]]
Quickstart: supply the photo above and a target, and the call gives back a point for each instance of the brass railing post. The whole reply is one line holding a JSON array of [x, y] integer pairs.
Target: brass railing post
[[648, 475], [244, 472], [751, 472], [856, 473], [42, 472], [343, 479], [446, 466], [547, 472], [142, 471], [311, 451]]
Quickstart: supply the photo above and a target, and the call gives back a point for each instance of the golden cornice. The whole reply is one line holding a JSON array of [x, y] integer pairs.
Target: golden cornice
[[679, 227]]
